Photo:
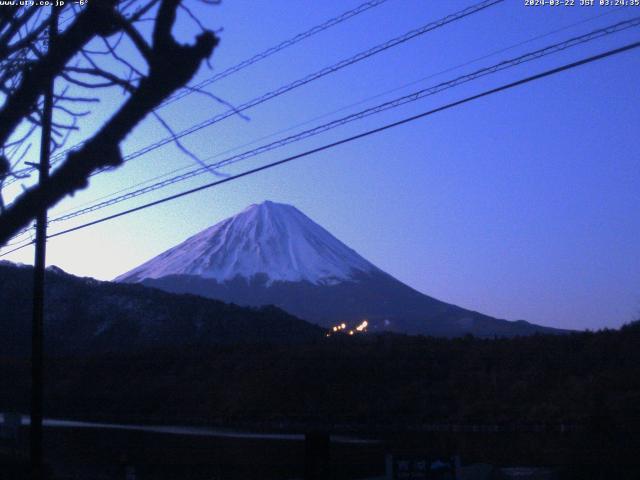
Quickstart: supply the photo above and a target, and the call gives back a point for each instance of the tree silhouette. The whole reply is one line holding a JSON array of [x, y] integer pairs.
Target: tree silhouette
[[28, 61]]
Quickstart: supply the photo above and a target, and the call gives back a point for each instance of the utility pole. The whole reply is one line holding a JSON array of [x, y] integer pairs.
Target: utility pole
[[37, 334]]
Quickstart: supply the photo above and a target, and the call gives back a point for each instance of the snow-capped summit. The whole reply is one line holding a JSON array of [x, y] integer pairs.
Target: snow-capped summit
[[269, 238]]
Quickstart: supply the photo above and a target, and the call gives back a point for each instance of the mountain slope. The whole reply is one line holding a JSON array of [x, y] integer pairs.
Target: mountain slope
[[273, 254], [85, 315], [386, 303]]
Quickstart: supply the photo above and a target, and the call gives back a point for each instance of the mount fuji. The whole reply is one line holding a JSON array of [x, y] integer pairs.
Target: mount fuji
[[272, 253]]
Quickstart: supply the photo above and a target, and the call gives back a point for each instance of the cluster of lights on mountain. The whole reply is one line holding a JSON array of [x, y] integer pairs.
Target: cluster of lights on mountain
[[342, 329]]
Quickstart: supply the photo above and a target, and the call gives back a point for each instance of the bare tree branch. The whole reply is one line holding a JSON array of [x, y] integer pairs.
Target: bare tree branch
[[95, 19], [97, 72], [170, 66]]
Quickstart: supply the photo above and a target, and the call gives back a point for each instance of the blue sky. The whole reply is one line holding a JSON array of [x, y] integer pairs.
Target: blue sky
[[521, 205]]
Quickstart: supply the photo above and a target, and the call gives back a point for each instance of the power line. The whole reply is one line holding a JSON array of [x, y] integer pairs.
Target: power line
[[343, 108], [614, 28], [245, 63], [412, 97], [16, 236], [30, 242], [501, 50], [367, 133], [272, 50], [317, 75], [304, 80]]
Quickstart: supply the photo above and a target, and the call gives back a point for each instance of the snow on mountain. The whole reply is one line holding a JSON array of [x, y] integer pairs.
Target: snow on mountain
[[270, 238]]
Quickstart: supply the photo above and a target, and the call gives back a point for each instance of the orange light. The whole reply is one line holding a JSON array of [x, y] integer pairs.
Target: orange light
[[362, 327]]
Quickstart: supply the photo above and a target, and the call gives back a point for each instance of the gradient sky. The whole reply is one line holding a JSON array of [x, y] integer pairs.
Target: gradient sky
[[521, 205]]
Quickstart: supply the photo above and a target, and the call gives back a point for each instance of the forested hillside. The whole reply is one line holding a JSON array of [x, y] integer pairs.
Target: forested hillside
[[579, 378]]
